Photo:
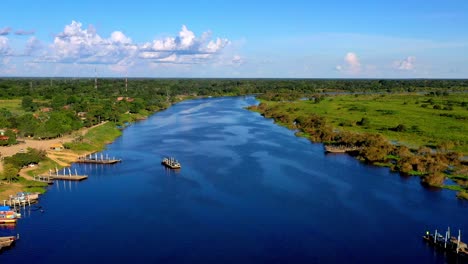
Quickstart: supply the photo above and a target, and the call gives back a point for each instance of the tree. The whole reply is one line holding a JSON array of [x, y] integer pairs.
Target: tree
[[27, 103], [27, 124], [10, 173]]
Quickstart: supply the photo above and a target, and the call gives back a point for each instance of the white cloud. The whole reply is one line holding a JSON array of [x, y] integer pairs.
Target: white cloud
[[22, 32], [186, 48], [77, 45], [5, 31], [406, 64], [237, 60], [4, 46], [351, 65], [32, 46]]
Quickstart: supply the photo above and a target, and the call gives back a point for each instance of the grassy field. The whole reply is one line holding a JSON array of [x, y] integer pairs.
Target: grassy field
[[12, 105], [96, 138], [427, 120]]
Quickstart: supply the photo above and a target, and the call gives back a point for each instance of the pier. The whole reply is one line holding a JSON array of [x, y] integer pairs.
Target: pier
[[447, 243], [340, 148], [98, 159], [69, 177], [63, 177]]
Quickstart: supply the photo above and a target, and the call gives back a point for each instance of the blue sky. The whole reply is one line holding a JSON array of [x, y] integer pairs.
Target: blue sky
[[284, 39]]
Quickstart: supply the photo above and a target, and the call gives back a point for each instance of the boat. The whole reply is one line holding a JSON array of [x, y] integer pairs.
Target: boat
[[171, 163], [8, 216], [340, 148], [7, 241], [450, 244]]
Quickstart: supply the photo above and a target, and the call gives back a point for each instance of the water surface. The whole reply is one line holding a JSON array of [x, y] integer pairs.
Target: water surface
[[249, 191]]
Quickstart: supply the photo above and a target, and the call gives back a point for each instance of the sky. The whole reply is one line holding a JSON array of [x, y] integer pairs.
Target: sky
[[234, 39]]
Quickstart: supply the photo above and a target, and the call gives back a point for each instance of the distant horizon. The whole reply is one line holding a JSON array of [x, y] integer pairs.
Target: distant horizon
[[226, 78], [236, 39]]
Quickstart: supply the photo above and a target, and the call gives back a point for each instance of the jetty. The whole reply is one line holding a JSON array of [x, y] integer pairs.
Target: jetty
[[21, 199], [340, 148], [98, 159], [63, 176], [447, 243]]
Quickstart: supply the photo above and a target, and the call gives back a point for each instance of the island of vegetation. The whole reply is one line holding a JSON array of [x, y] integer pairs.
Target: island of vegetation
[[421, 132]]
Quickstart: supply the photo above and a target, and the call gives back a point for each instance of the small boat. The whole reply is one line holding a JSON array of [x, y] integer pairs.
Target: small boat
[[7, 241], [170, 162], [8, 216]]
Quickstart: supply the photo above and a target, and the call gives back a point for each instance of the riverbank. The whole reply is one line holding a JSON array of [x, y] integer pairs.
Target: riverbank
[[372, 124], [59, 157]]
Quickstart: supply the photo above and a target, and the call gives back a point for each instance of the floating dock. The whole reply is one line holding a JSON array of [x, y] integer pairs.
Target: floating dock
[[66, 177], [95, 159]]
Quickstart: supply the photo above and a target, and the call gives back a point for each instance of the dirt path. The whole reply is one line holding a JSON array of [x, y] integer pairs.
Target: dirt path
[[44, 145]]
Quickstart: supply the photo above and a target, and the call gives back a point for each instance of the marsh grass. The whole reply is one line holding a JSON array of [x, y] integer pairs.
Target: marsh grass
[[422, 126]]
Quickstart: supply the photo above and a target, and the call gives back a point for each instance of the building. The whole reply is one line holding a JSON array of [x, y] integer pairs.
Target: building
[[56, 147]]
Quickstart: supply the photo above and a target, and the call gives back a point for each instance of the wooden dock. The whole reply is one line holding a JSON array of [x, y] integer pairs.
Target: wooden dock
[[97, 161], [340, 148], [66, 177], [45, 179]]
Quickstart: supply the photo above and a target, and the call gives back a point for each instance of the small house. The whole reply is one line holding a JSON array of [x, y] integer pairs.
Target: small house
[[56, 147]]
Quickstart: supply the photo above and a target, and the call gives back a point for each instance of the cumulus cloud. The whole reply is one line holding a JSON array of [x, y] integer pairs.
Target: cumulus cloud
[[351, 64], [4, 46], [21, 32], [78, 45], [5, 31], [237, 60], [406, 64], [186, 48], [32, 46]]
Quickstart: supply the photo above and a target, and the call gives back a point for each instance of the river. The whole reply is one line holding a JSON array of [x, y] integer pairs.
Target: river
[[249, 191]]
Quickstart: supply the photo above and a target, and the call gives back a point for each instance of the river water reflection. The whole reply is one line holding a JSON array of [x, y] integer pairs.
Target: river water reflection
[[249, 191]]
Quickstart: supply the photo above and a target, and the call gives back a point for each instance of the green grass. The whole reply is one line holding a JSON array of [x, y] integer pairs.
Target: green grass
[[425, 126], [12, 105], [96, 138], [44, 167], [32, 186]]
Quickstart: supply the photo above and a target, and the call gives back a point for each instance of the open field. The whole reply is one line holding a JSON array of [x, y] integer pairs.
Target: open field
[[12, 105], [432, 121]]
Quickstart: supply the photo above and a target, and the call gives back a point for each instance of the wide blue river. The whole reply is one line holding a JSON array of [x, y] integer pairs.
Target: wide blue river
[[249, 191]]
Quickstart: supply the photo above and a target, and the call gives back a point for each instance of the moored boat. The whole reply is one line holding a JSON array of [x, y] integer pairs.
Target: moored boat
[[8, 216], [7, 241], [170, 162]]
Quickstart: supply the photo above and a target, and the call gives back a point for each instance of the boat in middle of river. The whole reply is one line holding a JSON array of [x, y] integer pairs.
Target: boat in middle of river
[[171, 163]]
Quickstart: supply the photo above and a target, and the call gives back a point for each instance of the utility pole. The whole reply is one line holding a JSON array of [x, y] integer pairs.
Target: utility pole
[[95, 79]]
